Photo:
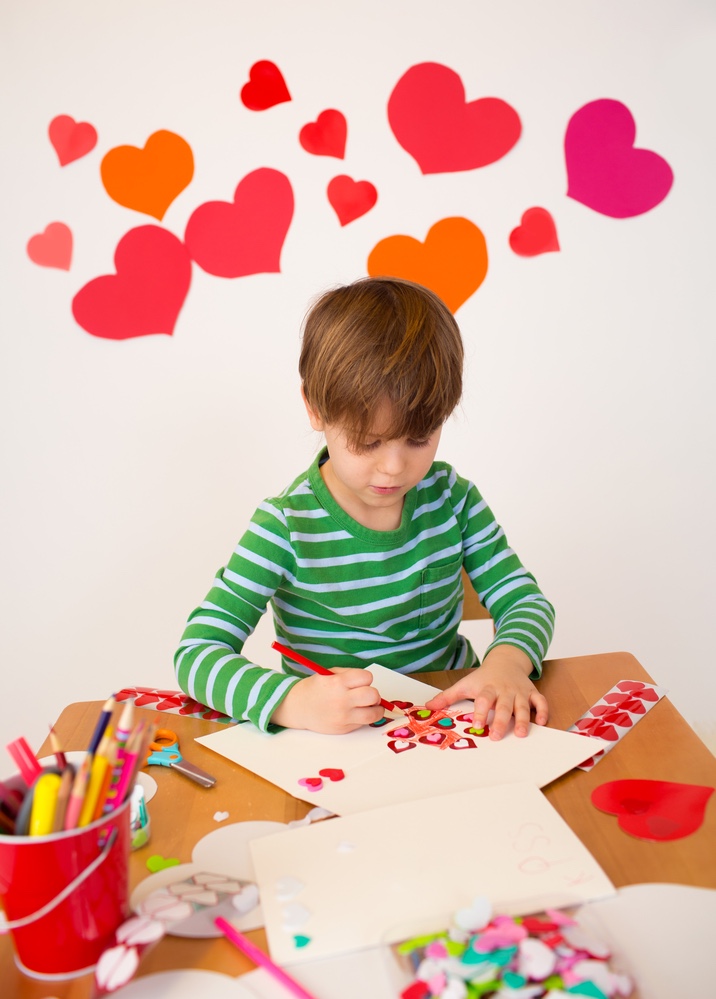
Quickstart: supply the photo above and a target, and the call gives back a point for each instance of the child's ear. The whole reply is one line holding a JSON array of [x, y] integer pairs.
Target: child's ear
[[313, 417]]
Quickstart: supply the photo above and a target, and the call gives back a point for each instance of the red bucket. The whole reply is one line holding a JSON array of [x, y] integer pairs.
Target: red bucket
[[65, 894]]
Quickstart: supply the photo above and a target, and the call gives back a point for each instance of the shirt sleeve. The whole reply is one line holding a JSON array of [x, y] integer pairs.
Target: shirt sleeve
[[209, 663], [522, 614]]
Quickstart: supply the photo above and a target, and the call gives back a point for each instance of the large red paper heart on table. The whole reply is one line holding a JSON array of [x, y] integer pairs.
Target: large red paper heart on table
[[536, 234], [53, 247], [605, 172], [71, 139], [654, 809], [147, 292], [148, 179], [326, 136], [265, 88], [432, 121], [452, 261], [246, 236], [350, 198]]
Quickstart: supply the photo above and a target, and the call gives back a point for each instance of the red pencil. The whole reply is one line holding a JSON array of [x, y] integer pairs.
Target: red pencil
[[298, 658]]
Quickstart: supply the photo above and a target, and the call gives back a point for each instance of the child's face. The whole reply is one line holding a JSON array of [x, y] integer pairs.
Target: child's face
[[370, 481]]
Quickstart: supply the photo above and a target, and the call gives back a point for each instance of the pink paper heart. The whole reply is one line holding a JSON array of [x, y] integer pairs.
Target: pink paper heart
[[71, 139], [52, 248], [246, 236], [605, 171], [147, 292]]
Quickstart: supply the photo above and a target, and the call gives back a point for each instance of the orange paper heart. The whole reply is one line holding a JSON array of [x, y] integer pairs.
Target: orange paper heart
[[149, 179], [452, 261]]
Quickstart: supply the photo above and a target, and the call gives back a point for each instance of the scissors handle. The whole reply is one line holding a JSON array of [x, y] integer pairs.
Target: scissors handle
[[194, 773]]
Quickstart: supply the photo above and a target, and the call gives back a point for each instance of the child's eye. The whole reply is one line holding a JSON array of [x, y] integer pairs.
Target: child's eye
[[419, 443]]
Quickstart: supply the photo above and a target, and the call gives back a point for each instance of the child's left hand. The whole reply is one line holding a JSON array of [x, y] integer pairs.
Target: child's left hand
[[502, 682]]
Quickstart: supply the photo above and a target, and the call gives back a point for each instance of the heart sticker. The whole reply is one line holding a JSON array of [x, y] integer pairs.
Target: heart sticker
[[332, 774], [326, 136], [400, 745], [71, 139], [431, 120], [148, 179], [158, 863], [654, 809], [246, 236], [147, 292], [266, 87], [350, 198], [452, 261], [604, 169], [52, 248], [536, 234]]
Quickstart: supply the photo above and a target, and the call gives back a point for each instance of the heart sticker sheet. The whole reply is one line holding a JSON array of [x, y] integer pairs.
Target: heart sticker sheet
[[615, 714]]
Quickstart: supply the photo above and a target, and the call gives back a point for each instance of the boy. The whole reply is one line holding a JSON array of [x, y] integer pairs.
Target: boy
[[361, 556]]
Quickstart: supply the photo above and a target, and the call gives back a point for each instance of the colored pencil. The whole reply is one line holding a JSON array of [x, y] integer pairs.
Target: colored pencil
[[102, 723], [258, 957], [100, 763], [106, 780], [298, 658], [25, 759], [63, 797], [129, 765], [77, 794]]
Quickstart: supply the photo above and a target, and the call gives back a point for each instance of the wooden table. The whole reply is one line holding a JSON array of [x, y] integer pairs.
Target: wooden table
[[662, 746]]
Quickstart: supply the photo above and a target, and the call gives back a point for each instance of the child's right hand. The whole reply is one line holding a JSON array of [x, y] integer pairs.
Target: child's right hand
[[332, 705]]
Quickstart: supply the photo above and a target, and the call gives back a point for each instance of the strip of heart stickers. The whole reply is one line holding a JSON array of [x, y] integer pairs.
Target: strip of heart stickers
[[615, 714]]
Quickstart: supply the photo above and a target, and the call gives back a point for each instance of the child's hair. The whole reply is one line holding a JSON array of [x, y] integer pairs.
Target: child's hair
[[377, 339]]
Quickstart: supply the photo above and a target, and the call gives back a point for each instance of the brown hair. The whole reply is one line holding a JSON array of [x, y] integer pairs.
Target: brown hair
[[377, 339]]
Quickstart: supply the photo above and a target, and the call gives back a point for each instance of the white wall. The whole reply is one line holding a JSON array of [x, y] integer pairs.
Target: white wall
[[130, 468]]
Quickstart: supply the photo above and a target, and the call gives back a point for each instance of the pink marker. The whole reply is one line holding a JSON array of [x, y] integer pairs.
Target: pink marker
[[256, 955]]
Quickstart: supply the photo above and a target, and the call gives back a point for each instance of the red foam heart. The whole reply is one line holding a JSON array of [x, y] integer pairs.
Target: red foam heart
[[654, 809], [71, 139], [147, 292], [265, 88], [246, 236], [52, 248], [332, 774], [431, 120], [351, 198], [536, 234], [326, 136]]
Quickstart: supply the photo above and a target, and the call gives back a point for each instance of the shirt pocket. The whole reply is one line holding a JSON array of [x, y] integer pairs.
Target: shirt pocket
[[440, 590]]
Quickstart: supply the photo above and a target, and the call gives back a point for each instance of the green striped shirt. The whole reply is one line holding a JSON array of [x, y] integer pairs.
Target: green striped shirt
[[346, 595]]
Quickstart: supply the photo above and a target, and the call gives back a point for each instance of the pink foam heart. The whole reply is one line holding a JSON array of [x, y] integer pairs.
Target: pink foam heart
[[246, 236], [312, 783], [71, 139], [326, 136], [147, 292], [432, 121], [536, 234], [605, 171], [351, 198], [53, 247]]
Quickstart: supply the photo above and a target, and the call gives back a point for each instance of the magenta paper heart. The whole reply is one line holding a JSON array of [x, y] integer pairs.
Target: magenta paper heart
[[147, 292], [605, 171], [246, 236], [432, 121], [654, 809]]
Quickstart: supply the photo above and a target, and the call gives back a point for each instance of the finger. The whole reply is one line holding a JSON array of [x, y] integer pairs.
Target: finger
[[482, 707], [501, 719], [352, 678], [541, 708], [522, 717]]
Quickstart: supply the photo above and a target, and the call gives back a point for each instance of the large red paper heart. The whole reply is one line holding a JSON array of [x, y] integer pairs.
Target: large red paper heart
[[265, 88], [326, 136], [605, 172], [147, 292], [431, 120], [71, 139], [244, 237], [654, 809], [53, 247], [351, 198], [536, 234]]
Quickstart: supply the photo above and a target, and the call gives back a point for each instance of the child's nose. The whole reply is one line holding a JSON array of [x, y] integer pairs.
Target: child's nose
[[392, 460]]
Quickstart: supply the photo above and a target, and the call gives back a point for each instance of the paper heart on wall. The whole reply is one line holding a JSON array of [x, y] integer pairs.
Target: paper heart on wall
[[654, 809], [351, 198], [326, 136], [71, 139], [536, 234], [53, 247], [147, 292], [452, 261], [246, 236], [605, 171], [432, 121], [148, 179], [266, 87]]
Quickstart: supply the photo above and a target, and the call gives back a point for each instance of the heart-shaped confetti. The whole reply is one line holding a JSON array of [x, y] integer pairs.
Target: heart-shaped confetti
[[246, 900], [294, 916], [654, 809], [288, 887], [149, 179], [265, 88], [312, 783], [475, 916], [326, 136], [332, 773], [71, 139], [350, 198], [536, 234], [53, 247], [158, 863], [220, 816]]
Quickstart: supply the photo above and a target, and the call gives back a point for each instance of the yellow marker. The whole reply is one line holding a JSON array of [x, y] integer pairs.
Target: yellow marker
[[44, 802]]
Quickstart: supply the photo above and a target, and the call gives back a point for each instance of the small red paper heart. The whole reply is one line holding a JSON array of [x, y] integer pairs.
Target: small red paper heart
[[654, 809], [536, 234], [326, 136], [71, 139], [433, 738], [332, 774], [351, 198], [52, 248], [463, 743], [403, 705], [266, 87], [400, 745]]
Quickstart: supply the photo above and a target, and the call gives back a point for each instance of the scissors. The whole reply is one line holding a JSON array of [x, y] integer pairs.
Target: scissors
[[164, 752]]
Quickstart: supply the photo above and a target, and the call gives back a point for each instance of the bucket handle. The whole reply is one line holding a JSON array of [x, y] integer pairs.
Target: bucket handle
[[17, 924]]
